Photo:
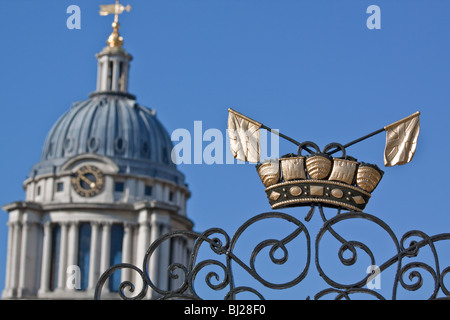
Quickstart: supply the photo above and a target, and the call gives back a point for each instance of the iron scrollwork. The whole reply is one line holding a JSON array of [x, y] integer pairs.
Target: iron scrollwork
[[317, 180], [225, 258], [412, 269]]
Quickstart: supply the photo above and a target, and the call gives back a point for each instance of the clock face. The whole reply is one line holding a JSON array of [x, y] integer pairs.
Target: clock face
[[88, 181]]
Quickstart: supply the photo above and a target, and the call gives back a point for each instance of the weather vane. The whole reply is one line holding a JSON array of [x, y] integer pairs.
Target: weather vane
[[114, 40], [318, 178]]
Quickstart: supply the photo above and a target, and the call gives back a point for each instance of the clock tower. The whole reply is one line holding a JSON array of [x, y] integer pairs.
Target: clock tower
[[104, 189]]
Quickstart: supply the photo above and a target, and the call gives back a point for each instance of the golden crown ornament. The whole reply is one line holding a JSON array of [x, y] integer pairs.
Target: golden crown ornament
[[297, 180], [319, 178]]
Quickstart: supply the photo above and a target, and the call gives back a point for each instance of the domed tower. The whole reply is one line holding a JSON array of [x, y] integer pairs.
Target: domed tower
[[104, 189]]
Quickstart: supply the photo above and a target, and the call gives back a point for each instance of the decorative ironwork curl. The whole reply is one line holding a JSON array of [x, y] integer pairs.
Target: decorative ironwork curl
[[345, 294], [124, 285], [275, 245], [349, 246], [224, 255]]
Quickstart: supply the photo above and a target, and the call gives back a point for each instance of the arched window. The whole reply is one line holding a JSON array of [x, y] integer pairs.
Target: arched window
[[84, 252], [55, 253], [116, 255]]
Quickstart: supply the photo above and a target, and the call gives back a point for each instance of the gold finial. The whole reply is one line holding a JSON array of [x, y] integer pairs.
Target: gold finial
[[114, 40]]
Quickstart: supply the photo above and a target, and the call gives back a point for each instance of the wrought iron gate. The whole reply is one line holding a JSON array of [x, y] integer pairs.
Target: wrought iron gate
[[222, 255]]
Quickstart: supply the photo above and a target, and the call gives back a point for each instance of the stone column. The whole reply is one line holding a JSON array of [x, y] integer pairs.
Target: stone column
[[99, 75], [125, 68], [126, 249], [73, 243], [9, 257], [177, 257], [93, 258], [155, 263], [164, 258], [104, 76], [142, 246], [17, 228], [115, 75], [46, 256], [63, 257], [106, 246], [72, 257], [23, 259], [106, 251], [142, 241]]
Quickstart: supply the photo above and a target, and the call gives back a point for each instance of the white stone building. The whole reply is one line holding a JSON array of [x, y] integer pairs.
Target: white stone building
[[104, 189]]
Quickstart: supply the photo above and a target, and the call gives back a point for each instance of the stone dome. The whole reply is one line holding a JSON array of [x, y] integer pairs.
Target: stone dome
[[115, 126], [111, 124]]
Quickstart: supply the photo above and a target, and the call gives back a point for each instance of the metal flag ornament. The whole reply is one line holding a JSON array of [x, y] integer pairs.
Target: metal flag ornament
[[244, 137], [114, 39], [401, 140], [116, 9], [319, 178]]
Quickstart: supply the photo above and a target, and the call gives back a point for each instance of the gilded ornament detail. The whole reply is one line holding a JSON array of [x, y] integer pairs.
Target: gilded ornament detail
[[293, 168], [368, 177], [295, 190], [318, 166], [343, 170], [114, 39], [269, 172], [316, 190], [337, 182], [337, 193], [274, 195]]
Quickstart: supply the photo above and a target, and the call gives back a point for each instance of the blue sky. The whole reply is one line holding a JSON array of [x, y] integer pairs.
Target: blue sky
[[311, 69]]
